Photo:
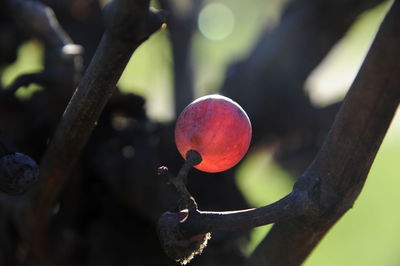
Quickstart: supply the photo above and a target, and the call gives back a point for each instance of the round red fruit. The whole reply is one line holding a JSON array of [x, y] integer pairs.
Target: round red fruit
[[217, 128]]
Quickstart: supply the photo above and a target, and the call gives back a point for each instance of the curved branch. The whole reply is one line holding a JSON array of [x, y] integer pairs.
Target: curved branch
[[307, 31], [200, 222], [184, 234], [342, 165]]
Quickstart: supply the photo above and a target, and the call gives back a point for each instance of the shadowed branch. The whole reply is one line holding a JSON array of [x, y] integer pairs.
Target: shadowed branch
[[128, 24]]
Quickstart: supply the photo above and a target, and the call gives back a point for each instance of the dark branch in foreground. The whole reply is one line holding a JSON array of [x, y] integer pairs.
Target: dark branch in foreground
[[128, 24], [333, 181], [342, 165], [307, 31]]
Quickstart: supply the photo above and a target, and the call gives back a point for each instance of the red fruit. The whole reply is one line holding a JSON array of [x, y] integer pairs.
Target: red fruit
[[217, 128]]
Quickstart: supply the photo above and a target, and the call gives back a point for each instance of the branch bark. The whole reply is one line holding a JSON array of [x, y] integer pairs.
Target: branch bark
[[342, 165], [128, 24]]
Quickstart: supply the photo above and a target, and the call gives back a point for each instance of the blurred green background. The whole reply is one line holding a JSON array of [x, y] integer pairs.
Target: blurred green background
[[369, 234]]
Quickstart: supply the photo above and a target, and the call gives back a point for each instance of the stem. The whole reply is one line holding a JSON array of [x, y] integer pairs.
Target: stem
[[180, 181]]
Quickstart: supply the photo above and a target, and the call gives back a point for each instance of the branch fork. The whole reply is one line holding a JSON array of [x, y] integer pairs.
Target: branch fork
[[184, 234]]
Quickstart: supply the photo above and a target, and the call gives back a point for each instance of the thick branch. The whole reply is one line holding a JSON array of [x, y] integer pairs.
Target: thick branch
[[98, 84], [343, 163], [307, 31]]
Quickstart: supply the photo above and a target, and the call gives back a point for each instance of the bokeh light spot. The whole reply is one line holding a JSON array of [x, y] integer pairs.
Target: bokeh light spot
[[216, 21]]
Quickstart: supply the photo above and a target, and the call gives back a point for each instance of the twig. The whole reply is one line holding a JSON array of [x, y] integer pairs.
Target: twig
[[180, 181], [24, 81]]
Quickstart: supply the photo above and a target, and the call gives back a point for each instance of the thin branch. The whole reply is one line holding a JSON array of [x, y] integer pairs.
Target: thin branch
[[200, 222], [342, 165], [180, 181], [24, 81], [128, 24]]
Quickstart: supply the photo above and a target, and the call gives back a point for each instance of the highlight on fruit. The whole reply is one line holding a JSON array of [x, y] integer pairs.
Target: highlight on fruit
[[217, 128]]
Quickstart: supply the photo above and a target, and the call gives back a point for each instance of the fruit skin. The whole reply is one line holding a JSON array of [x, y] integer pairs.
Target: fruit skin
[[216, 127], [18, 172]]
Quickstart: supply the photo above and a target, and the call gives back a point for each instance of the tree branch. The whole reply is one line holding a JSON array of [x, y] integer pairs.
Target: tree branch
[[342, 165], [307, 32], [128, 24], [181, 25], [200, 222]]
